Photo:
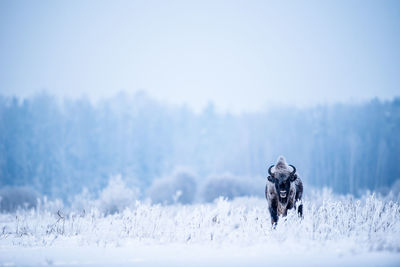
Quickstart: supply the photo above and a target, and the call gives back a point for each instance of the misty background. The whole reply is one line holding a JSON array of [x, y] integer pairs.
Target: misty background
[[59, 148], [185, 101]]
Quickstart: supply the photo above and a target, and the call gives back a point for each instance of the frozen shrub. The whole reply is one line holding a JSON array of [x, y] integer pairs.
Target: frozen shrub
[[13, 198], [116, 196], [394, 193], [50, 205], [228, 186], [83, 201], [396, 187], [179, 187]]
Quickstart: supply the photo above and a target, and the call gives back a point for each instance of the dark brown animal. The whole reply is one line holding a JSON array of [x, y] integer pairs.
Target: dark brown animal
[[284, 190]]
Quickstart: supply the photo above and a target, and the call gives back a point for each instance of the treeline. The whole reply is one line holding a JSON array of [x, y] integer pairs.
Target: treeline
[[60, 146]]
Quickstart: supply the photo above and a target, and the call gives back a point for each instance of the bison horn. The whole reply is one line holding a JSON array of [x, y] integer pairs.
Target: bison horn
[[269, 170], [294, 169]]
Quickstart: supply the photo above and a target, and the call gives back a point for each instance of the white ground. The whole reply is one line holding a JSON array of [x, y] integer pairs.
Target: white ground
[[335, 231]]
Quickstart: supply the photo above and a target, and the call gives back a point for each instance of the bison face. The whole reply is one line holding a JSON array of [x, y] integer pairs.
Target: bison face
[[283, 187], [282, 180]]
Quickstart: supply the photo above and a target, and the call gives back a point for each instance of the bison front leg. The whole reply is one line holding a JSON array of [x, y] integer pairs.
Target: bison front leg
[[273, 211], [300, 209]]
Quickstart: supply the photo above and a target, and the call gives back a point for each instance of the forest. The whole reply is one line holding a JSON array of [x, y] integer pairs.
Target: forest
[[58, 147]]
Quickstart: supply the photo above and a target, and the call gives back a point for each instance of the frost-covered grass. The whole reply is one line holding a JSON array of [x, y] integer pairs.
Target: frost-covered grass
[[337, 225]]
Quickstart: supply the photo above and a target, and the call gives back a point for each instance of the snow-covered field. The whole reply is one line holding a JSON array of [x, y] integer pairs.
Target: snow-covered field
[[335, 230]]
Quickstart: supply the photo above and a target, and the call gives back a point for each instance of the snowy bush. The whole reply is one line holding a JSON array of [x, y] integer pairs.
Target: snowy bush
[[49, 205], [179, 187], [395, 191], [13, 198], [116, 196], [83, 201], [228, 186]]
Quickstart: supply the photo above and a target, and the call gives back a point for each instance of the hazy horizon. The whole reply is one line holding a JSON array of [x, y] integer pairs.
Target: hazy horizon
[[129, 96]]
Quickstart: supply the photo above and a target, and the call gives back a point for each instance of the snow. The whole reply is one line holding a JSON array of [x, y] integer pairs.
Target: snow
[[335, 230], [187, 255]]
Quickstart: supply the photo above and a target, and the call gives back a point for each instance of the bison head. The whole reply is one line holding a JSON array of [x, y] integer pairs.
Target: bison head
[[282, 177]]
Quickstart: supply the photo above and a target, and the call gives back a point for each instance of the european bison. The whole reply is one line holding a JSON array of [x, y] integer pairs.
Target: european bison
[[284, 190]]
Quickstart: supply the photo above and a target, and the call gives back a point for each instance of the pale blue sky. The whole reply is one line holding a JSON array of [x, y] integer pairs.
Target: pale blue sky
[[242, 55]]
